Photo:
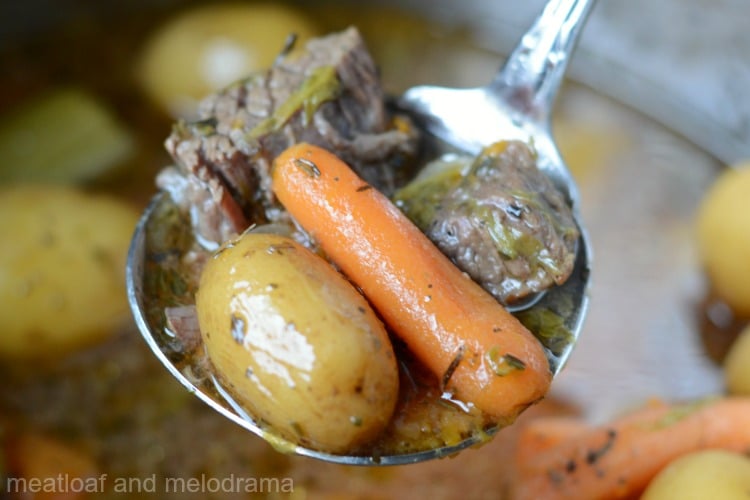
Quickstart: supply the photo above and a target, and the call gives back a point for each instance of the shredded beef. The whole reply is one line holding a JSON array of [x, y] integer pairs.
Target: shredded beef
[[223, 160], [503, 223]]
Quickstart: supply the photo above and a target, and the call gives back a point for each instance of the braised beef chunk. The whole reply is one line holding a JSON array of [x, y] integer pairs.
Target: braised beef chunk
[[499, 218], [330, 96]]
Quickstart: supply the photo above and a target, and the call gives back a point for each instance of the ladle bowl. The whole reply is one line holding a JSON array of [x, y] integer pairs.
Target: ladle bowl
[[515, 105]]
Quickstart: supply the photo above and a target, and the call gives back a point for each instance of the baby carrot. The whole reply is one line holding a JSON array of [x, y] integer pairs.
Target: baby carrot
[[539, 435], [619, 459], [477, 350]]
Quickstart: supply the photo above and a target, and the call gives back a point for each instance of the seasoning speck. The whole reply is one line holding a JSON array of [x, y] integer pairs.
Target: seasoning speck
[[310, 168], [452, 367], [594, 455]]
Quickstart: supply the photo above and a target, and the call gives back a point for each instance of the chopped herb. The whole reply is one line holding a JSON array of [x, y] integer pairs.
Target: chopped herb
[[321, 86], [549, 327], [452, 367], [308, 167], [679, 412], [592, 456], [515, 210], [510, 242], [289, 43], [204, 127], [420, 199], [505, 364]]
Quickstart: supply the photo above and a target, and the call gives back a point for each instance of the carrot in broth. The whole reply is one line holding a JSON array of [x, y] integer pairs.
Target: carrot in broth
[[619, 459], [480, 352]]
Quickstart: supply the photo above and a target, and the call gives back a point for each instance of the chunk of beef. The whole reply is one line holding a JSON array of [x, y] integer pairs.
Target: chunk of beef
[[500, 220], [330, 96]]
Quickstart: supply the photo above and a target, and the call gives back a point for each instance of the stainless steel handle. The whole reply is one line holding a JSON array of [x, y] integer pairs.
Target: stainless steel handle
[[533, 72]]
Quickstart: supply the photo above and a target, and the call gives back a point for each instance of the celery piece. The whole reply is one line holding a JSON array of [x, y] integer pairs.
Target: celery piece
[[64, 136]]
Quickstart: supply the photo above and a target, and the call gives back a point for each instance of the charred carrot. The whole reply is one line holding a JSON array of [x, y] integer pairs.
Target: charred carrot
[[619, 459], [478, 351]]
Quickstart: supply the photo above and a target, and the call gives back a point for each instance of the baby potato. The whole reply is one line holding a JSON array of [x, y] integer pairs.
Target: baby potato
[[209, 47], [737, 365], [714, 474], [62, 268], [296, 343], [724, 237]]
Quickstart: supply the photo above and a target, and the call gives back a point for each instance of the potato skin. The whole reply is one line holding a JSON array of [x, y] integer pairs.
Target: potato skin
[[723, 234], [714, 474], [737, 365], [296, 343], [211, 46], [62, 269]]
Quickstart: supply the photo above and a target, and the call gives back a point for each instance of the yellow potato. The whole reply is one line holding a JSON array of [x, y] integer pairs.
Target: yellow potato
[[296, 343], [737, 365], [209, 47], [62, 268], [714, 474], [724, 237]]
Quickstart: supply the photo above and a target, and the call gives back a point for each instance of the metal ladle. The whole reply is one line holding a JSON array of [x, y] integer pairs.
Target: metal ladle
[[515, 105]]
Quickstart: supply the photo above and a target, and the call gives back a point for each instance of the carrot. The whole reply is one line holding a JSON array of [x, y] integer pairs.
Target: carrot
[[474, 346], [619, 459], [60, 471], [542, 434]]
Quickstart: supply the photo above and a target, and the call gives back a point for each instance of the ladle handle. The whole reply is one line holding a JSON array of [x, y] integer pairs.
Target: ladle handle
[[533, 72]]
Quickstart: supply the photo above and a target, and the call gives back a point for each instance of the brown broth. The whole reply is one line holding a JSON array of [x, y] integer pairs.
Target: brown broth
[[425, 416]]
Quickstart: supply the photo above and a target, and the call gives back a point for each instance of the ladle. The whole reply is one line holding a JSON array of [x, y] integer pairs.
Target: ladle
[[515, 105]]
